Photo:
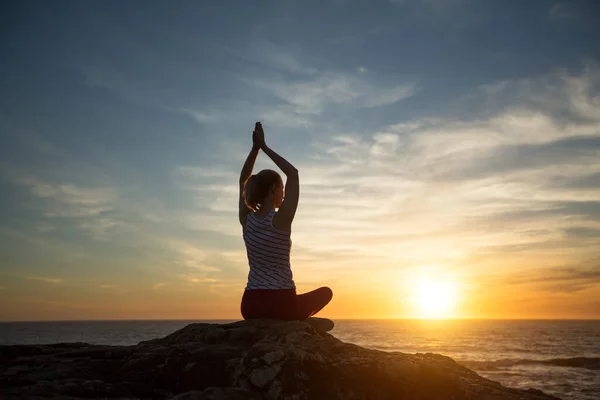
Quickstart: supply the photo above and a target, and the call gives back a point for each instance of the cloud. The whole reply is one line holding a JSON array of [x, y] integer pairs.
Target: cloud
[[100, 228], [559, 279], [383, 97], [203, 117], [44, 279], [271, 57], [312, 96], [191, 257], [288, 61], [580, 232], [70, 200], [108, 286], [558, 96], [576, 182], [304, 91], [201, 280], [90, 209], [280, 116], [580, 151], [213, 190]]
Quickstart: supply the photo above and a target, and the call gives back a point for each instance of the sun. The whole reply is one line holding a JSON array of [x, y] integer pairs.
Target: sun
[[435, 299]]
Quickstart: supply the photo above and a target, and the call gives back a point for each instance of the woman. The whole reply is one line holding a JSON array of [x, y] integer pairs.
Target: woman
[[266, 219]]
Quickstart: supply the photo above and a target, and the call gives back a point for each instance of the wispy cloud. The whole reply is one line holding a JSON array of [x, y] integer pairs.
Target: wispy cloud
[[561, 279], [272, 57], [313, 96], [106, 286], [384, 97], [44, 279], [213, 190], [100, 228], [90, 209], [70, 200], [304, 91], [191, 257], [201, 280], [203, 117]]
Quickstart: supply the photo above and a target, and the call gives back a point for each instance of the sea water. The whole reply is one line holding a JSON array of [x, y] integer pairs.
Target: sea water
[[559, 357]]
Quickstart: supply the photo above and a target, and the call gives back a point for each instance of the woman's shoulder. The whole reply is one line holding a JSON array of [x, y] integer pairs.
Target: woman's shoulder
[[281, 228]]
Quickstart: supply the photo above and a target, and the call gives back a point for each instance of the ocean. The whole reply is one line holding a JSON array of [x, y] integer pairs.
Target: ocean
[[560, 357]]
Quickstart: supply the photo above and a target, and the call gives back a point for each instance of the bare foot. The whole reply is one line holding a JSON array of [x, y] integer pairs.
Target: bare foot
[[321, 325]]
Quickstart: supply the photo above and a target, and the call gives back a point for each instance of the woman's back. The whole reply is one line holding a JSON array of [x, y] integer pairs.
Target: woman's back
[[268, 251]]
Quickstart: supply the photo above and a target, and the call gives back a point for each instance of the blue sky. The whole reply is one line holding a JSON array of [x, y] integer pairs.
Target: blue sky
[[456, 138]]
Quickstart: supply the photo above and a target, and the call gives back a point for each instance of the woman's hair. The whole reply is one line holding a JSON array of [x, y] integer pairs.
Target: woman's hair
[[257, 188]]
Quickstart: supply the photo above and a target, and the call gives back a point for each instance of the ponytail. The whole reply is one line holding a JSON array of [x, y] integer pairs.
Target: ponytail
[[250, 194], [257, 188]]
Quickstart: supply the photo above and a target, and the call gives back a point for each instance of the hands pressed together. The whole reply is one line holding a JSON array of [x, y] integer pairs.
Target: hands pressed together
[[258, 137], [258, 143]]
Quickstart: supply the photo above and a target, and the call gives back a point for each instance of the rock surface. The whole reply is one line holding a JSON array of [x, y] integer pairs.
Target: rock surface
[[257, 359]]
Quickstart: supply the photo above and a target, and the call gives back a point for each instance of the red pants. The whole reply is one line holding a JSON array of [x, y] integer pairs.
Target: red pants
[[284, 304]]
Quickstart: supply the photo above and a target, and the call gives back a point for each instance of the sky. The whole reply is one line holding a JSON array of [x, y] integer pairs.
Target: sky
[[451, 142]]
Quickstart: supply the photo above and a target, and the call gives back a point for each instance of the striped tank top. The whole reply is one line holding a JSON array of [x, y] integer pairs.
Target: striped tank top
[[268, 251]]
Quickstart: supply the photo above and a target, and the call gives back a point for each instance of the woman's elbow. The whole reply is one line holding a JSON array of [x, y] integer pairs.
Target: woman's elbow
[[292, 172]]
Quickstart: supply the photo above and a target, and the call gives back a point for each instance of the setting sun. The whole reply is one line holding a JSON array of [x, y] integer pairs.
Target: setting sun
[[435, 299]]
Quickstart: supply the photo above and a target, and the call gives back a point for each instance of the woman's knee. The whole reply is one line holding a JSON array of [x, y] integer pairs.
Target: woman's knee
[[327, 293]]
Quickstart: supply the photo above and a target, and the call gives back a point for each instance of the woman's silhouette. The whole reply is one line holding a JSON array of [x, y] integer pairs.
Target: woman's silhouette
[[266, 218]]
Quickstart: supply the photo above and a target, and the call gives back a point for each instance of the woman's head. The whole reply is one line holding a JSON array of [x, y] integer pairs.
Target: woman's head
[[262, 189]]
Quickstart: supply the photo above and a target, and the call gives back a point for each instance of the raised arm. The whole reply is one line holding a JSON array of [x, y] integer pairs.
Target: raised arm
[[285, 215], [244, 175]]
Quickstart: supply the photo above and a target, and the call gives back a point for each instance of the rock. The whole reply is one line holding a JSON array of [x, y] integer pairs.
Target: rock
[[260, 377], [257, 359], [218, 394], [273, 357]]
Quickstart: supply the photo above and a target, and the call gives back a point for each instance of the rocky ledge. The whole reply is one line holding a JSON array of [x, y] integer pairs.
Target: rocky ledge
[[257, 359]]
